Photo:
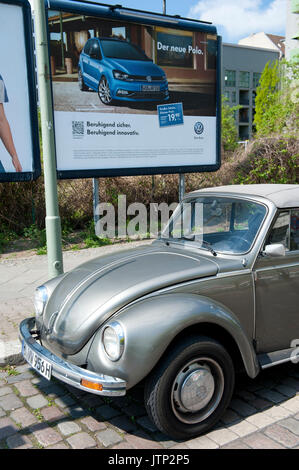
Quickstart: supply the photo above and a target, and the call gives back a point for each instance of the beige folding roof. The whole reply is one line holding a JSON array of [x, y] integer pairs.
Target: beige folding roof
[[282, 195]]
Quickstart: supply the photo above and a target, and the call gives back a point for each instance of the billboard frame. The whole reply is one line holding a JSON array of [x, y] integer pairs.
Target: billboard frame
[[117, 12], [32, 95]]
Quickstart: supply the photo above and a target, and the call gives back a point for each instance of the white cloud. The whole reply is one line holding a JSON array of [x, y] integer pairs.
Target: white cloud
[[238, 18]]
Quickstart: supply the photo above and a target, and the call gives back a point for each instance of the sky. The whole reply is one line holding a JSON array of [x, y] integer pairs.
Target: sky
[[234, 19]]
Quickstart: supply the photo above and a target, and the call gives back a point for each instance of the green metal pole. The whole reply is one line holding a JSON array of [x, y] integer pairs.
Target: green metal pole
[[53, 224]]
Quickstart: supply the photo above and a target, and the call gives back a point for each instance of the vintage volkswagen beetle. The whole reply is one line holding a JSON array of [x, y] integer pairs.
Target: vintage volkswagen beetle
[[183, 313]]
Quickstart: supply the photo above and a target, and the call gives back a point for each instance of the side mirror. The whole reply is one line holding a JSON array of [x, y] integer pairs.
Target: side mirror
[[275, 250]]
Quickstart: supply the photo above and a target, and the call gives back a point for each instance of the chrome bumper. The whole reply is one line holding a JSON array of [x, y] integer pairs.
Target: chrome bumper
[[67, 372]]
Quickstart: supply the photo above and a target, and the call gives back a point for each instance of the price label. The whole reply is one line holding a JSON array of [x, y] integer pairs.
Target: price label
[[170, 114]]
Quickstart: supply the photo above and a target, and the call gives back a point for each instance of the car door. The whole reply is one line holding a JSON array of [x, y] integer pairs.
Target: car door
[[84, 62], [277, 287]]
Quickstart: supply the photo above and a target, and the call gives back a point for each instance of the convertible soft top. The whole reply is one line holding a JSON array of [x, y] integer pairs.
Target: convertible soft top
[[282, 195]]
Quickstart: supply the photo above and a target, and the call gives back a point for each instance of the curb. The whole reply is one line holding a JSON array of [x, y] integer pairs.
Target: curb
[[10, 353]]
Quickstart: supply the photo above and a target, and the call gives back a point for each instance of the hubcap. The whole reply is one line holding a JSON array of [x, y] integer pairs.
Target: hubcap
[[197, 390]]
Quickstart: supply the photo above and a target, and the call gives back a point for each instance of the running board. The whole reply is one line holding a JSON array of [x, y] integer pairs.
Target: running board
[[278, 357]]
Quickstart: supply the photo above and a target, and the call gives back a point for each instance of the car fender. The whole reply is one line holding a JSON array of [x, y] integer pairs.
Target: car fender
[[152, 323]]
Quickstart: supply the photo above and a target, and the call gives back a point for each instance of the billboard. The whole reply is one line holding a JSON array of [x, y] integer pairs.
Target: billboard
[[133, 92], [19, 140]]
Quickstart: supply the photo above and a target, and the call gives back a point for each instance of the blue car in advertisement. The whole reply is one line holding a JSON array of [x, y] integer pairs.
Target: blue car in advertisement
[[119, 70]]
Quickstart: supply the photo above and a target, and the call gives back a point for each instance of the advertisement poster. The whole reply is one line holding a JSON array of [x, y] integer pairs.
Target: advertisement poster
[[19, 159], [131, 97]]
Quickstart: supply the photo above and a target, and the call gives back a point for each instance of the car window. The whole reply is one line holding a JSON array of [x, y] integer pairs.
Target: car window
[[122, 50], [94, 50], [280, 232], [294, 230], [87, 47]]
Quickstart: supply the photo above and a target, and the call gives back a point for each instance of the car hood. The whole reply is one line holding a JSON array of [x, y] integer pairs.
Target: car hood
[[137, 67], [87, 296]]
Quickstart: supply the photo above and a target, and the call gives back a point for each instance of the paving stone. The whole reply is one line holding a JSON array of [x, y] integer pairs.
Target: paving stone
[[93, 424], [52, 413], [180, 446], [108, 437], [10, 402], [230, 417], [2, 413], [261, 403], [26, 389], [141, 440], [7, 428], [81, 441], [292, 404], [147, 424], [202, 442], [107, 412], [277, 412], [122, 445], [282, 435], [243, 428], [239, 444], [222, 436], [5, 391], [12, 379], [76, 411], [19, 441], [123, 423], [286, 390], [260, 420], [37, 401], [23, 417], [54, 390], [65, 401], [258, 440], [68, 427], [291, 424], [135, 410], [271, 395], [47, 436], [59, 446], [241, 407]]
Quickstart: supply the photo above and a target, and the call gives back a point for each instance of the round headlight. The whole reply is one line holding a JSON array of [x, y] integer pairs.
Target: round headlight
[[40, 299], [113, 341]]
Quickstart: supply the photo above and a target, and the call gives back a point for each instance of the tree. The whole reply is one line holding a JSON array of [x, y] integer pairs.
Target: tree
[[276, 103], [229, 132]]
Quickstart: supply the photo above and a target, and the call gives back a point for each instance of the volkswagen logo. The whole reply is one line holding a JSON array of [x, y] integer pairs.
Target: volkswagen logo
[[198, 128], [149, 78]]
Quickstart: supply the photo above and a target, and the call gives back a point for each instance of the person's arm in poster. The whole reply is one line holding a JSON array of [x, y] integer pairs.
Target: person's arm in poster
[[5, 131]]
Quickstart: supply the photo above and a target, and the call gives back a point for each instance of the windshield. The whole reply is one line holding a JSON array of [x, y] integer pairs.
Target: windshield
[[220, 225], [122, 50]]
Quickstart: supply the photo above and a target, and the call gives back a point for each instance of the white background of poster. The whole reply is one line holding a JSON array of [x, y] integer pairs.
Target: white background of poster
[[151, 146], [13, 68]]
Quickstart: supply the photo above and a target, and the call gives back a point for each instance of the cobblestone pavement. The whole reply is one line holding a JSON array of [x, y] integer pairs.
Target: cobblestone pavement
[[36, 413]]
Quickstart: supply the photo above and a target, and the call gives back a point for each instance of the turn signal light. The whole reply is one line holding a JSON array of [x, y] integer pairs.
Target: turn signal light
[[91, 385]]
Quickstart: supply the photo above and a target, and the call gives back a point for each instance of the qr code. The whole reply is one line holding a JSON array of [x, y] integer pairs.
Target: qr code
[[78, 129]]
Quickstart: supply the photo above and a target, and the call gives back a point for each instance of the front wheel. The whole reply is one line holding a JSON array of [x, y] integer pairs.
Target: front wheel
[[191, 388], [104, 91]]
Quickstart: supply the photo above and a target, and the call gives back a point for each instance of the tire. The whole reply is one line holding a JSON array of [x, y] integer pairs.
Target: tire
[[104, 91], [81, 83], [197, 365]]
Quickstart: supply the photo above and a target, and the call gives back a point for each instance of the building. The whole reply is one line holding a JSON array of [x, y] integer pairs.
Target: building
[[292, 31], [242, 67], [265, 41]]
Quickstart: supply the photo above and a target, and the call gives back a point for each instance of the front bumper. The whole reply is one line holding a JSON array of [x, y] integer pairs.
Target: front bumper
[[67, 372]]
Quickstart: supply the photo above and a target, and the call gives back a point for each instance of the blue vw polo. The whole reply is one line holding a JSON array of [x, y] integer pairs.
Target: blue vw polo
[[118, 70]]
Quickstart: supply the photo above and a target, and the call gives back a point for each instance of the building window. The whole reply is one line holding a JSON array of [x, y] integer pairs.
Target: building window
[[230, 78], [256, 79], [244, 79], [234, 97], [227, 95]]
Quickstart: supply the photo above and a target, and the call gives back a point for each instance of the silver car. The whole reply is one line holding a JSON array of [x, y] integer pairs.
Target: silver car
[[217, 293]]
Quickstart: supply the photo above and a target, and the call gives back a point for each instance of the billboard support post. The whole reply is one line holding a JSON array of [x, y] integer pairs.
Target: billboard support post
[[96, 200], [53, 224]]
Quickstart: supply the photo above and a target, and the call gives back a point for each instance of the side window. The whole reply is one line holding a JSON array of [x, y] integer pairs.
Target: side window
[[294, 229], [87, 47], [280, 232], [94, 51]]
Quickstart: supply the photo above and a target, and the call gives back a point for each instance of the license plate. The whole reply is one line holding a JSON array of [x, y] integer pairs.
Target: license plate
[[43, 367], [150, 88]]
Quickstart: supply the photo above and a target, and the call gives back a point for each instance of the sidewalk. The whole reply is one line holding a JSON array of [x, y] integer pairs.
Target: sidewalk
[[19, 278], [35, 413]]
